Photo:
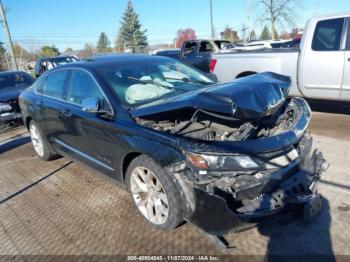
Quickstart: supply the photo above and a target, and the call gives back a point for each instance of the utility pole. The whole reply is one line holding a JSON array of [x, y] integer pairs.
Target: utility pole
[[244, 30], [211, 19], [8, 36]]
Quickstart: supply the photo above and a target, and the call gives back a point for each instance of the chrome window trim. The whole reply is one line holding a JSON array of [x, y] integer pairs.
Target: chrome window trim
[[66, 101], [346, 32]]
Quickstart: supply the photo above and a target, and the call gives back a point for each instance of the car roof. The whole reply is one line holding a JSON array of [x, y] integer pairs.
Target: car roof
[[115, 59], [5, 73]]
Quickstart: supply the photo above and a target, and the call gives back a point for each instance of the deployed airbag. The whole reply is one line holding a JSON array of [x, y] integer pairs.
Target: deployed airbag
[[246, 98]]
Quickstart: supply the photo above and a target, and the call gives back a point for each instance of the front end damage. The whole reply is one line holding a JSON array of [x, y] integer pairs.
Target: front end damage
[[9, 112], [245, 166]]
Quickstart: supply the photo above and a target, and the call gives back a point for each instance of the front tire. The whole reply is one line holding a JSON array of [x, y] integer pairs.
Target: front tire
[[154, 193], [41, 147]]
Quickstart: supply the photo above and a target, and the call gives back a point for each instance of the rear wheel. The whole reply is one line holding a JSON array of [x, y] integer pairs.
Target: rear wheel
[[154, 193], [41, 147]]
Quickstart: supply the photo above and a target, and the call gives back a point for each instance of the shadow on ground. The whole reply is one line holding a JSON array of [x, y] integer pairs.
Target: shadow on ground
[[290, 236], [12, 144]]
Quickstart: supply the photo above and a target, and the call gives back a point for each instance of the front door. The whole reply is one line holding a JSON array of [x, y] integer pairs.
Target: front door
[[323, 62], [92, 137]]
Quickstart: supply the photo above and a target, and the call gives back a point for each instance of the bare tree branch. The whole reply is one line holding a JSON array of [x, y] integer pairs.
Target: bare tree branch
[[278, 11]]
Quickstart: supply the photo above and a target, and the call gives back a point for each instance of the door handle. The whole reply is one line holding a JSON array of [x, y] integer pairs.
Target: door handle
[[39, 103], [348, 59]]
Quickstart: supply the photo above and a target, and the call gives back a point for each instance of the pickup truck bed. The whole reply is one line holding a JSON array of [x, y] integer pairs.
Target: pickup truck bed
[[275, 60]]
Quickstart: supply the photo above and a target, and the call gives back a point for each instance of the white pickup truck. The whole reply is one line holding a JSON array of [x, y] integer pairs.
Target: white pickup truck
[[320, 69]]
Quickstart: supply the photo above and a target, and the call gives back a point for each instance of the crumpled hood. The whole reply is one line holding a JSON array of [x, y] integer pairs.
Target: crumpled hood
[[245, 98], [10, 93]]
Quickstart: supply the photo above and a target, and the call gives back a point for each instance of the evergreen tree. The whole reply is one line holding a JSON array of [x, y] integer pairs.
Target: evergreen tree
[[252, 36], [130, 35], [265, 34], [2, 57], [103, 44], [2, 49]]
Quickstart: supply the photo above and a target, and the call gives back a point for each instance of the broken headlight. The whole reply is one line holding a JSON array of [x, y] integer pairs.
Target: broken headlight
[[5, 107], [222, 162]]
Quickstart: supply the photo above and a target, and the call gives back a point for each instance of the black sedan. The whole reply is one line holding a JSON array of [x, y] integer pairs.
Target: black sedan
[[11, 85], [185, 147]]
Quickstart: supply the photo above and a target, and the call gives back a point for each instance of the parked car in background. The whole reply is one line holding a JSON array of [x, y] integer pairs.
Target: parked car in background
[[185, 147], [320, 68], [11, 85], [47, 63], [197, 53]]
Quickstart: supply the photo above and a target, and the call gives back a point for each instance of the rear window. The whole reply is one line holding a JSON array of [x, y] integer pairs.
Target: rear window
[[327, 36], [206, 47]]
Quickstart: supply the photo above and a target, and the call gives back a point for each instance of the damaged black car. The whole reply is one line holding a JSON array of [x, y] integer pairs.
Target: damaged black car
[[185, 147], [12, 83]]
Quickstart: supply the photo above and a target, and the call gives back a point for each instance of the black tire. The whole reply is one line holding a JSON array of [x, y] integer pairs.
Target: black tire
[[175, 217], [48, 154]]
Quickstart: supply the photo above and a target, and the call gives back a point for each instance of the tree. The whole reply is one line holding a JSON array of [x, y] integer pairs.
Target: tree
[[278, 11], [285, 35], [183, 36], [88, 51], [2, 57], [130, 35], [68, 49], [230, 35], [103, 44], [252, 36], [265, 34], [49, 51], [2, 49]]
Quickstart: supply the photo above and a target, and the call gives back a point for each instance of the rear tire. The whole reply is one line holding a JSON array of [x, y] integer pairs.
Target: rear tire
[[154, 193], [41, 146]]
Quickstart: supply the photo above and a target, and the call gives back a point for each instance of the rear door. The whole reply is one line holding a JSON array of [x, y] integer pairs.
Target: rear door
[[53, 90], [189, 52], [323, 62]]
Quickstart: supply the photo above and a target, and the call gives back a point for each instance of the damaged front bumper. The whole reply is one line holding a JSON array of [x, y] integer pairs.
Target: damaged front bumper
[[293, 188], [218, 202], [9, 117]]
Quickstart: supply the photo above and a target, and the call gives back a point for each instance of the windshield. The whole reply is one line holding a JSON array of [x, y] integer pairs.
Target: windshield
[[15, 80], [137, 85]]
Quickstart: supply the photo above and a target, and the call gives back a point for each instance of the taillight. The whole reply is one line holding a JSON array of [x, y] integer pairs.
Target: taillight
[[212, 65]]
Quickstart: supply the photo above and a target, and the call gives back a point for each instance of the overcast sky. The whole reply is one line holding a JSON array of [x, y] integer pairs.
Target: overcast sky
[[76, 22]]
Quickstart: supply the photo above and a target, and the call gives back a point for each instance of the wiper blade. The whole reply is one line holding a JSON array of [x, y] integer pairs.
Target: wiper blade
[[149, 82]]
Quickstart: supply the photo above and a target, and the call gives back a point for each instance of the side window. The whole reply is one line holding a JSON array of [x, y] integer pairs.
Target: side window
[[206, 47], [83, 86], [54, 84], [327, 36], [190, 47], [39, 85]]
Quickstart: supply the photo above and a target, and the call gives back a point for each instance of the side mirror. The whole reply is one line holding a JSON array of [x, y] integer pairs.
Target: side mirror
[[91, 105]]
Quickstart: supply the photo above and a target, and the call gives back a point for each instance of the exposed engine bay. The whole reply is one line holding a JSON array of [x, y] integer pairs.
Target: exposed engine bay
[[208, 126]]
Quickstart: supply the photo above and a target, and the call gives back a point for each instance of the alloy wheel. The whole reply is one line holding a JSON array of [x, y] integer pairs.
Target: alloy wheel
[[37, 140], [149, 195]]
